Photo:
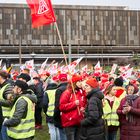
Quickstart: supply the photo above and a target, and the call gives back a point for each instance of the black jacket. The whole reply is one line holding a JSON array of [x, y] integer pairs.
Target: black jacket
[[39, 92], [92, 126], [57, 118]]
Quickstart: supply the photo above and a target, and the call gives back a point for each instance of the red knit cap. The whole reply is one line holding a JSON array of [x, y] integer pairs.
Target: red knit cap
[[76, 78], [92, 82], [62, 77]]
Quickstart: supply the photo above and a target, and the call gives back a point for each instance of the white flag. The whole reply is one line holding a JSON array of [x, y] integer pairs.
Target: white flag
[[113, 68], [29, 64], [44, 64], [128, 73], [0, 62]]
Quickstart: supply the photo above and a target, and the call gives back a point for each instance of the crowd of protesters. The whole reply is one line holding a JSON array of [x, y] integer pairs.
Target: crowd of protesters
[[79, 106]]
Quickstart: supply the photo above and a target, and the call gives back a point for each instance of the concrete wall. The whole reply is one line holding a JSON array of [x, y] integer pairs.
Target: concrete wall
[[87, 26]]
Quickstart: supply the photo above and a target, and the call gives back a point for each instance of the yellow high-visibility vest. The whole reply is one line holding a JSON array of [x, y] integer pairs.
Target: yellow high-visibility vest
[[5, 110], [110, 114], [51, 106], [26, 128]]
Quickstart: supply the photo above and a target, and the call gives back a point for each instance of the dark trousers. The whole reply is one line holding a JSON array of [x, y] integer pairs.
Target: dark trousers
[[112, 135], [72, 133], [38, 115]]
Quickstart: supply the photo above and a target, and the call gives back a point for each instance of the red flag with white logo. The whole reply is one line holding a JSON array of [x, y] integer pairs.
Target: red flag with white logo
[[42, 12]]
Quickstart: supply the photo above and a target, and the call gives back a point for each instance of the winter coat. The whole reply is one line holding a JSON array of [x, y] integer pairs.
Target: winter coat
[[20, 110], [69, 110], [130, 130], [92, 126], [39, 92], [57, 118]]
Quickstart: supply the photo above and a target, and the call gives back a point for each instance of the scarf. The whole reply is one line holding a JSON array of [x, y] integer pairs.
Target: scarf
[[130, 100]]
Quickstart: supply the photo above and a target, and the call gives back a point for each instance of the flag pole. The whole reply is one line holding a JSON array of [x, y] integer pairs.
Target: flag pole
[[65, 58]]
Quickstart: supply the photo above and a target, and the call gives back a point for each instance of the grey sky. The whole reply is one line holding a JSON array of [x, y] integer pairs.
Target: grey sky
[[132, 4]]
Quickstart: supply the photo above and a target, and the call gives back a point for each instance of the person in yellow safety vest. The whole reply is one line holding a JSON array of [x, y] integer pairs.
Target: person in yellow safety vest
[[21, 124], [48, 108], [6, 94], [110, 106]]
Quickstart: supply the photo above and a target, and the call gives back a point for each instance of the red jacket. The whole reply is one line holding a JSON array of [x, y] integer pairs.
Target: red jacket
[[69, 110]]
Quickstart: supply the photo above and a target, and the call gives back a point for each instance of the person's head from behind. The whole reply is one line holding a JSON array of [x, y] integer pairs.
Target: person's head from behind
[[24, 77], [118, 82], [3, 76], [26, 71]]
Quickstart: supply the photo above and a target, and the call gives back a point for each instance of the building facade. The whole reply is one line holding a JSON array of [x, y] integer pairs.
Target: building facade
[[87, 27]]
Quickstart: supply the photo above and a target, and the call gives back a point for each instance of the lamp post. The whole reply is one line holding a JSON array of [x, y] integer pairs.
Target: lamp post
[[69, 41], [20, 43], [78, 39], [20, 60], [86, 56]]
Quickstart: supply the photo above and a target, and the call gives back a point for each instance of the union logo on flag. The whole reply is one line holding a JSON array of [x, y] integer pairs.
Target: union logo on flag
[[43, 7]]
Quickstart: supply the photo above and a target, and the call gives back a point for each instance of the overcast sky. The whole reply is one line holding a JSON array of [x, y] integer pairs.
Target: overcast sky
[[132, 4]]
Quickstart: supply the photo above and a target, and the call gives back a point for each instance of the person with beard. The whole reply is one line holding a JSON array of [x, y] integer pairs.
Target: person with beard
[[72, 106], [21, 123], [92, 126], [129, 114]]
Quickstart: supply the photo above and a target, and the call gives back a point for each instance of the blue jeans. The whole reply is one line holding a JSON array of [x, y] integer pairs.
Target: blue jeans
[[62, 134], [53, 131], [112, 135], [4, 133]]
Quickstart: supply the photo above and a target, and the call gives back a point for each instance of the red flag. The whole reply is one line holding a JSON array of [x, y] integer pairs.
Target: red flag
[[41, 12]]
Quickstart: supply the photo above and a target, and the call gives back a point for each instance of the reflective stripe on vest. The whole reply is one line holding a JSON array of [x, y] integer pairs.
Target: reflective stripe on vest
[[51, 96], [111, 114], [26, 128], [5, 110]]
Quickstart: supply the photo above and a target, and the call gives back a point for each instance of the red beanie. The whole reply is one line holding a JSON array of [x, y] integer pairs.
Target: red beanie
[[92, 82], [62, 77], [75, 78]]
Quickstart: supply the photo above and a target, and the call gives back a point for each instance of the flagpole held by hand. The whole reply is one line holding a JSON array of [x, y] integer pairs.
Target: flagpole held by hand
[[65, 58]]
